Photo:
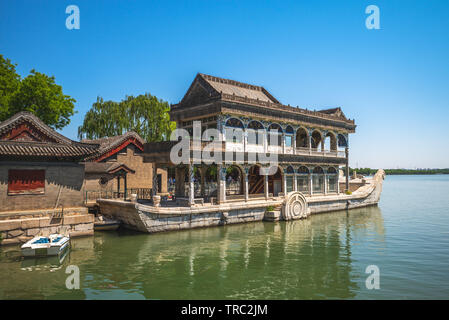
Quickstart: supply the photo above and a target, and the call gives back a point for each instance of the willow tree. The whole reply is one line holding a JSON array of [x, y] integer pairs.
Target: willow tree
[[144, 114]]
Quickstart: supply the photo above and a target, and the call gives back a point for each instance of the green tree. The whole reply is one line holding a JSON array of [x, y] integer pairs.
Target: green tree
[[37, 93], [9, 83], [144, 114]]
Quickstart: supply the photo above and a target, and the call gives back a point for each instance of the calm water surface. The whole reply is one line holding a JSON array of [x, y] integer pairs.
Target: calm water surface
[[322, 257]]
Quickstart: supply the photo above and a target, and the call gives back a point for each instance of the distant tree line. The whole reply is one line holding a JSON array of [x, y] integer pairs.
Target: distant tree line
[[38, 93], [369, 171]]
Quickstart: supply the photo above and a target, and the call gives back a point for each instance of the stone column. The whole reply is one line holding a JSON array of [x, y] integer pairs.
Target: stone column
[[295, 182], [246, 186], [118, 186], [294, 142], [283, 142], [221, 183], [347, 168], [266, 185], [310, 183], [325, 183], [154, 178], [310, 143], [191, 185], [245, 140], [265, 141], [338, 181], [284, 182]]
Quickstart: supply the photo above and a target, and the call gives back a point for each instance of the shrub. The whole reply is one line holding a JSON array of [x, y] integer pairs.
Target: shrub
[[348, 192], [270, 208]]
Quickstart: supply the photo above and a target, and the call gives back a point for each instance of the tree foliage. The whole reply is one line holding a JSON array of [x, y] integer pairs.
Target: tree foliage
[[9, 83], [36, 93], [145, 114]]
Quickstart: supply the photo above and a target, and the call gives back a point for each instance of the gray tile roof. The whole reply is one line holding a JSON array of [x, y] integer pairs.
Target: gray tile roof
[[54, 145]]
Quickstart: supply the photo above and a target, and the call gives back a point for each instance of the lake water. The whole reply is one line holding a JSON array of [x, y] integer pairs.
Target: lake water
[[323, 257]]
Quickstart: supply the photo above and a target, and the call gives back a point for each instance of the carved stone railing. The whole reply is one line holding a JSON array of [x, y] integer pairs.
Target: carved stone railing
[[324, 153], [221, 146]]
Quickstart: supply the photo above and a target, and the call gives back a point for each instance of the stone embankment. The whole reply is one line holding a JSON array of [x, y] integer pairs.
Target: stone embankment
[[19, 227]]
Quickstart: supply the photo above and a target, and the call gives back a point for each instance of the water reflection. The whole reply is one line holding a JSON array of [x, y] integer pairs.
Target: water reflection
[[307, 259]]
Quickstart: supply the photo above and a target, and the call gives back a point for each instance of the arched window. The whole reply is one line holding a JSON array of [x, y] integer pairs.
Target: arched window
[[330, 142], [302, 179], [255, 180], [302, 138], [331, 170], [274, 134], [210, 182], [234, 130], [255, 132], [275, 181], [289, 132], [332, 180], [342, 141], [290, 178], [318, 180], [234, 178], [234, 123], [316, 139]]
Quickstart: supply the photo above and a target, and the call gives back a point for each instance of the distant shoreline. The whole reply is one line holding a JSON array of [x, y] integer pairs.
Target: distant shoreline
[[369, 171]]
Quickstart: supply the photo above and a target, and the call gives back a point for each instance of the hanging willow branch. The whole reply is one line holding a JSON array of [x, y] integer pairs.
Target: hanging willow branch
[[145, 114]]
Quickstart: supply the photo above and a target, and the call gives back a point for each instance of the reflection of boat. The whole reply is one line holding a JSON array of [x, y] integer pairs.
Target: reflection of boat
[[102, 224], [52, 245], [50, 262]]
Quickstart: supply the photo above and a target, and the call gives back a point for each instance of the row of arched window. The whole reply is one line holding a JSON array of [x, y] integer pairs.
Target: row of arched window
[[307, 180], [301, 135]]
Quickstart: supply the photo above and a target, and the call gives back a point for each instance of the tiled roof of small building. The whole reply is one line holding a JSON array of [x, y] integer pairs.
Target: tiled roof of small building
[[43, 143], [105, 167], [109, 143]]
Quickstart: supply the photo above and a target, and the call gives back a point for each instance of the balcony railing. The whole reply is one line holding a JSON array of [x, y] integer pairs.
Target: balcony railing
[[93, 195], [321, 153], [239, 147]]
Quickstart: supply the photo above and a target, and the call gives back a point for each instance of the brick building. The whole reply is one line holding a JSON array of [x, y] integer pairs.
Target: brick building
[[39, 168], [118, 166], [42, 169]]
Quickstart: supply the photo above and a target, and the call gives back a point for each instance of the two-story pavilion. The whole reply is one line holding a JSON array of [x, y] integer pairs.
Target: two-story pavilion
[[311, 145]]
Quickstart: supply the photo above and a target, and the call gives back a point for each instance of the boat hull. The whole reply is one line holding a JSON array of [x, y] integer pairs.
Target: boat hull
[[294, 205]]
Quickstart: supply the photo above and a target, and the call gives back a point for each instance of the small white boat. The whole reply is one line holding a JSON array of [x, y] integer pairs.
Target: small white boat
[[41, 246]]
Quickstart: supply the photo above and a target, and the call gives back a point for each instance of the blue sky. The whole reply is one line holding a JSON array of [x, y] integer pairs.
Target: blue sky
[[315, 54]]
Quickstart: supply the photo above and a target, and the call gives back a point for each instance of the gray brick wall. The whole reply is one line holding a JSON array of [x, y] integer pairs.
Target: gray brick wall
[[67, 177]]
